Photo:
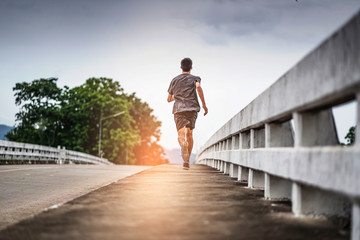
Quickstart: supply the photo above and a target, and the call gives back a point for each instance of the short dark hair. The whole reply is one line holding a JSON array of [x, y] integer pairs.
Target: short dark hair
[[186, 64]]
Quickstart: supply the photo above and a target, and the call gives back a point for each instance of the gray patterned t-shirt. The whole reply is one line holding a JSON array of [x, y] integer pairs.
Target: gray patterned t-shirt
[[183, 89]]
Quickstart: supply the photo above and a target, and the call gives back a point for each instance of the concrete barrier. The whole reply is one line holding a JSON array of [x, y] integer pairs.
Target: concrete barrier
[[15, 152], [303, 161]]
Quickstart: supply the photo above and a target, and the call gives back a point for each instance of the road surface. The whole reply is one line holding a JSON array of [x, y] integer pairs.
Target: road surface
[[167, 202], [26, 190]]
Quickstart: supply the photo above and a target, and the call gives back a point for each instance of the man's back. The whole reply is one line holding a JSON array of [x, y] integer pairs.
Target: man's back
[[183, 88]]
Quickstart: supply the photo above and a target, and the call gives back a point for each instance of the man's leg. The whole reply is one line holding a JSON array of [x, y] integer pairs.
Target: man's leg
[[184, 143], [189, 138], [181, 136]]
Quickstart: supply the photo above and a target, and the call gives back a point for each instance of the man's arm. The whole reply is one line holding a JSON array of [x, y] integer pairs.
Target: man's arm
[[201, 95], [170, 98]]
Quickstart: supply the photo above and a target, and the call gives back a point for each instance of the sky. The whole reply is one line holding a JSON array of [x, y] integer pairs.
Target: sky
[[238, 47]]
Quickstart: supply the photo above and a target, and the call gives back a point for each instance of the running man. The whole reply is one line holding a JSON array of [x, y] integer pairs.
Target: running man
[[186, 107]]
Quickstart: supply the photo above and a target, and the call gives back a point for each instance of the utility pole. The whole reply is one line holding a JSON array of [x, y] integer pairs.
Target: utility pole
[[100, 127], [127, 156]]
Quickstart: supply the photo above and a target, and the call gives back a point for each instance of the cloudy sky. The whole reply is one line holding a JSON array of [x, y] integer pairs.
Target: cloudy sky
[[239, 48]]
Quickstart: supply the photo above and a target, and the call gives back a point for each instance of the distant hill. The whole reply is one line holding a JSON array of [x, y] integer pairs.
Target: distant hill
[[174, 156], [4, 129]]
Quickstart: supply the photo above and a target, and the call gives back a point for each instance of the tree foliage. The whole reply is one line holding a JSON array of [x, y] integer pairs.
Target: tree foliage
[[68, 117], [350, 136]]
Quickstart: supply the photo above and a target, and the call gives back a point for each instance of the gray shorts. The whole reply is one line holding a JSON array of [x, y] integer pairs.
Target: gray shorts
[[185, 119]]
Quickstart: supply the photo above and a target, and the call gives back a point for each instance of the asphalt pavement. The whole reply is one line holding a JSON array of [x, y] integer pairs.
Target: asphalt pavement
[[26, 190], [167, 202]]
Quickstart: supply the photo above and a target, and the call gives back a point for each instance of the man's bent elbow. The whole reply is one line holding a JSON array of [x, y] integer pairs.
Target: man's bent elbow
[[170, 98]]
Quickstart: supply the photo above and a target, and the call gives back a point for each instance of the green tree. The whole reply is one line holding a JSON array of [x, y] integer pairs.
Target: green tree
[[350, 136], [39, 112], [82, 109], [70, 117], [148, 151]]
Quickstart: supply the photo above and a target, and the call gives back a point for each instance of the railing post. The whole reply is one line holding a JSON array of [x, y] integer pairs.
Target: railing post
[[240, 140], [226, 167], [296, 199], [243, 173], [357, 134], [237, 141], [233, 171], [250, 178], [229, 144], [244, 143], [256, 178], [59, 155], [252, 138], [278, 135], [234, 146], [251, 172], [316, 128], [233, 140], [63, 155], [267, 186], [231, 167]]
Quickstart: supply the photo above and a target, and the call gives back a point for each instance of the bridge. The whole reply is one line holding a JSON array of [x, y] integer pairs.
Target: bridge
[[285, 140], [273, 171]]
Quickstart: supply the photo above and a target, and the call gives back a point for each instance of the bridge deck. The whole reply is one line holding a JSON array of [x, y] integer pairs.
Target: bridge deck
[[166, 202]]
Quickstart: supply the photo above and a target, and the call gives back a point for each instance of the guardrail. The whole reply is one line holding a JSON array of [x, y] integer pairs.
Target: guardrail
[[15, 152], [304, 164]]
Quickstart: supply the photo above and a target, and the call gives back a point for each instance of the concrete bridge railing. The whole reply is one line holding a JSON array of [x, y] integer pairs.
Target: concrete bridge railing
[[285, 140], [15, 152]]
